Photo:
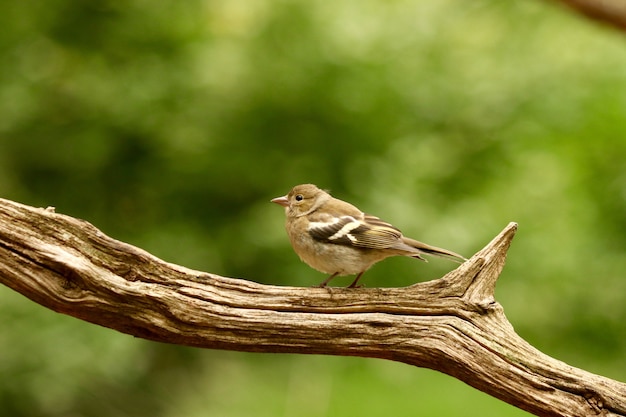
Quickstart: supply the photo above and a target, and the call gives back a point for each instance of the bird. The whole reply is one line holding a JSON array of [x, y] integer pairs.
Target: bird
[[336, 238]]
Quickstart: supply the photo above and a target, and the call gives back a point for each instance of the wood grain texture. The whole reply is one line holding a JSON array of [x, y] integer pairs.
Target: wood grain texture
[[453, 324]]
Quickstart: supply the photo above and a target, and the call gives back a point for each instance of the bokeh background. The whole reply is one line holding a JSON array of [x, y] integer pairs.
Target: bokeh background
[[171, 124]]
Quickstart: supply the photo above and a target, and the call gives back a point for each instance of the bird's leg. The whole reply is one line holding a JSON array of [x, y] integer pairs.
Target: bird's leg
[[327, 280], [358, 277]]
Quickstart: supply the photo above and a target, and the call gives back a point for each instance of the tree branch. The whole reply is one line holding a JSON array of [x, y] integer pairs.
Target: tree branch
[[453, 324], [611, 12]]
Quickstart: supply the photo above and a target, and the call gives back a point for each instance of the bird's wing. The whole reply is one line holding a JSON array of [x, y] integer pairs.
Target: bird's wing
[[365, 232]]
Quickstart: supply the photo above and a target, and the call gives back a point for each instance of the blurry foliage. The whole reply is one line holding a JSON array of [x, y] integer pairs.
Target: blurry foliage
[[171, 124]]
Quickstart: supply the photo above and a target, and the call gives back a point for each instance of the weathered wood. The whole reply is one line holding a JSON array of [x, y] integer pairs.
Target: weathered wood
[[453, 324]]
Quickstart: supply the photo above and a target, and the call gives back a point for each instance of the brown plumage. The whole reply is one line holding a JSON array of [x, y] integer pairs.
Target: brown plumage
[[337, 238]]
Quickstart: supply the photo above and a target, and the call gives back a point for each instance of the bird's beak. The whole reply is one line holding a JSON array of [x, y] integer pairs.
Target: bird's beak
[[282, 201]]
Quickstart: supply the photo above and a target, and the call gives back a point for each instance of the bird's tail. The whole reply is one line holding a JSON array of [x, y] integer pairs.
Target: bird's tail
[[433, 250]]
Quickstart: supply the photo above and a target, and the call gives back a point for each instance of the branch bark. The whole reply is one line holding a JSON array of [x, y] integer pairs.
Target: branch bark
[[611, 12], [453, 324]]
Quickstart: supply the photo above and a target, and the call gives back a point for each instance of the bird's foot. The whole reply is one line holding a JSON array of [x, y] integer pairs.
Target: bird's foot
[[353, 285]]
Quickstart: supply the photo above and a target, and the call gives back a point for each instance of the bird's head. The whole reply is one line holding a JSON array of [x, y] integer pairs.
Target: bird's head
[[302, 199]]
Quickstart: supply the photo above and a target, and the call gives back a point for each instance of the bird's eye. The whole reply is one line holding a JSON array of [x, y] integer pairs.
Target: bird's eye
[[299, 197]]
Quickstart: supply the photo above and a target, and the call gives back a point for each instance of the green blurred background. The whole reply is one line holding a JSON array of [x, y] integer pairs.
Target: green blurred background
[[170, 125]]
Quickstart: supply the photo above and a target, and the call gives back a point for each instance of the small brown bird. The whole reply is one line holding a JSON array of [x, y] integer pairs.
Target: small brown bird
[[337, 238]]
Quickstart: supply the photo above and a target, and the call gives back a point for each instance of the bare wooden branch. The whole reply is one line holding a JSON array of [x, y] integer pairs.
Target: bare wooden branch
[[453, 324], [611, 12]]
